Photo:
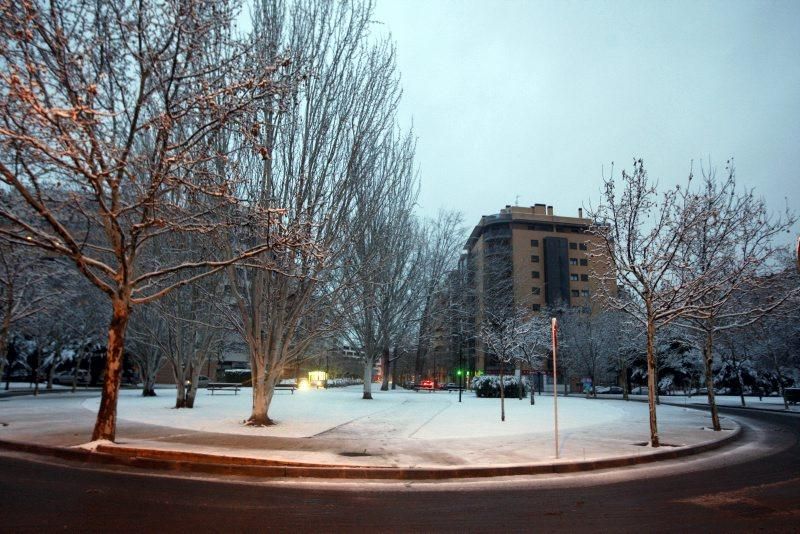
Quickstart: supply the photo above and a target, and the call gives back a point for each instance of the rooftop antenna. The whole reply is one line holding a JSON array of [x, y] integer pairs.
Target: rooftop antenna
[[516, 200]]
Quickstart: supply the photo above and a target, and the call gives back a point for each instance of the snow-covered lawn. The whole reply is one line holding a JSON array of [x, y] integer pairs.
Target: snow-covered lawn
[[28, 385], [400, 413], [773, 402]]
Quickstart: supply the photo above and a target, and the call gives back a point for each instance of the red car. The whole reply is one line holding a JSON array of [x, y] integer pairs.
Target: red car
[[427, 384]]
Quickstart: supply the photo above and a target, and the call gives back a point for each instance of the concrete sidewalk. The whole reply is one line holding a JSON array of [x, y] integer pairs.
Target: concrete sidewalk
[[59, 423]]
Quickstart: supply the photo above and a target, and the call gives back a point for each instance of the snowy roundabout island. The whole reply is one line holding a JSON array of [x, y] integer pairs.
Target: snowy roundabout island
[[410, 429]]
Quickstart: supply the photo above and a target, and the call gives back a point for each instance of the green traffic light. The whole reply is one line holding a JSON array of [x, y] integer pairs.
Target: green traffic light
[[458, 372]]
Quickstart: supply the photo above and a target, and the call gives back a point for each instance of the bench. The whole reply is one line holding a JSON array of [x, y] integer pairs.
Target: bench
[[221, 386], [286, 386]]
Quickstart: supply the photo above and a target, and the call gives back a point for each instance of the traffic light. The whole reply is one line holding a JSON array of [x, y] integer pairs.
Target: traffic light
[[459, 372]]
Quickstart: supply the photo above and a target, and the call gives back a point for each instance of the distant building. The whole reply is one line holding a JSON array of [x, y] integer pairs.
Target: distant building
[[526, 257]]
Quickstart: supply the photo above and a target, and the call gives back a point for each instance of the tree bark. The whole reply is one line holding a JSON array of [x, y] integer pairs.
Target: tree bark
[[106, 424], [651, 381], [502, 394], [741, 385], [258, 416], [367, 379], [385, 369], [394, 370], [708, 358]]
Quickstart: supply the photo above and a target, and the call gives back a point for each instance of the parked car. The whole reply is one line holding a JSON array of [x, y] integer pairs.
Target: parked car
[[65, 377], [202, 381], [602, 389], [450, 386], [615, 390], [428, 385]]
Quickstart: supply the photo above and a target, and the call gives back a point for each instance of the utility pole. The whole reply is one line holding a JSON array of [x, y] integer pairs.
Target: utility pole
[[554, 334]]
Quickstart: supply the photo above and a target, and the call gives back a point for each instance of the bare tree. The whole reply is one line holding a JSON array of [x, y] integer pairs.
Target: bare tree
[[504, 332], [643, 235], [148, 331], [383, 264], [105, 122], [535, 344], [590, 340], [22, 291], [729, 252], [443, 240], [330, 158]]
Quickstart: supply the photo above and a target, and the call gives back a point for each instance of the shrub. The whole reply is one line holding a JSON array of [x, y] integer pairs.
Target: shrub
[[489, 386], [238, 376]]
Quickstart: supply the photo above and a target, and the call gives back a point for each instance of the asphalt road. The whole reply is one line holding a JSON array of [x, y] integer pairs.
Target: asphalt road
[[751, 486]]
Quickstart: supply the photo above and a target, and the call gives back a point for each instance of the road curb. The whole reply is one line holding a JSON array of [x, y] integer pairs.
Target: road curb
[[195, 462]]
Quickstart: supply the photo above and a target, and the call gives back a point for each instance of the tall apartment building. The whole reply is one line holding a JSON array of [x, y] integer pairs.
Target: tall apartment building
[[539, 259]]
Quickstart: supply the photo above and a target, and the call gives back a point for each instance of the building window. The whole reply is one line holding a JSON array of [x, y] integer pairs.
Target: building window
[[575, 293], [536, 290], [536, 307], [584, 278], [573, 277], [535, 259], [584, 292], [534, 242], [573, 246], [535, 274], [584, 262], [582, 246], [573, 261]]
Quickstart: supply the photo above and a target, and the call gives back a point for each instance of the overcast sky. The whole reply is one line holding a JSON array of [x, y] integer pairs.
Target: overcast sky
[[532, 100]]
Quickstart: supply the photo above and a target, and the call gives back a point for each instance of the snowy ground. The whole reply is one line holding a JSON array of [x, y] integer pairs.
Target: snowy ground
[[337, 427], [766, 403], [342, 411], [29, 386]]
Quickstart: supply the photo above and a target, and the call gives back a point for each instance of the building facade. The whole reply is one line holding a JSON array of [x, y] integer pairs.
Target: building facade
[[527, 258]]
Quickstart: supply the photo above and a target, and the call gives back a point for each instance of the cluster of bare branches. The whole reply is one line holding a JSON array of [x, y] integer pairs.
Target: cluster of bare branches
[[110, 115], [682, 257]]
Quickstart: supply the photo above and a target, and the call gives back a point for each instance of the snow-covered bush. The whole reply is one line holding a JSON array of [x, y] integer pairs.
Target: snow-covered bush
[[489, 386], [238, 376], [342, 382]]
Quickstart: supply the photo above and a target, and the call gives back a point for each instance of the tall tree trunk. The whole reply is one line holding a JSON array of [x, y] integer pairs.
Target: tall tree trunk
[[708, 358], [741, 385], [533, 393], [192, 393], [651, 380], [78, 358], [367, 379], [258, 415], [149, 385], [502, 393], [35, 374], [625, 383], [394, 369], [4, 344], [269, 390], [385, 369], [106, 424]]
